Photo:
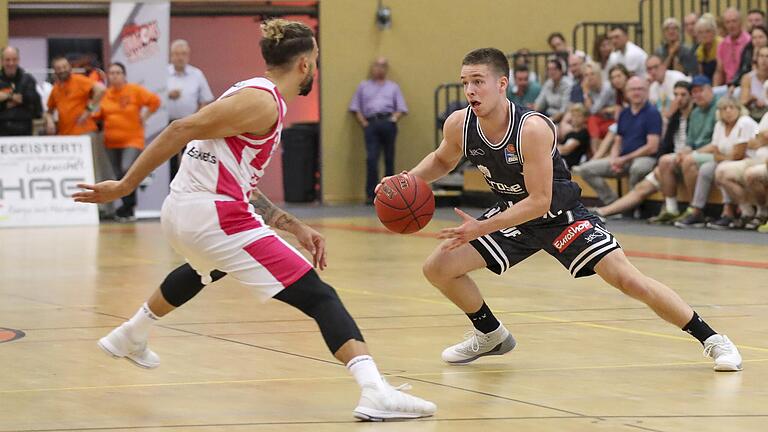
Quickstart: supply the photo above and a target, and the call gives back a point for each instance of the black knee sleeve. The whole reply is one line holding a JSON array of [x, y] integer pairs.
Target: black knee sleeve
[[184, 283], [319, 300]]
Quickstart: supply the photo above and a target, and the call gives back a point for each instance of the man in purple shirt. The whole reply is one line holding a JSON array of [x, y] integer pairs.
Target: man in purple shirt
[[377, 105], [729, 50]]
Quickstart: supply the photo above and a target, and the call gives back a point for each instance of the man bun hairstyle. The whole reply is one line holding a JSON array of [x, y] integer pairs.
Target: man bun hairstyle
[[282, 41], [488, 56]]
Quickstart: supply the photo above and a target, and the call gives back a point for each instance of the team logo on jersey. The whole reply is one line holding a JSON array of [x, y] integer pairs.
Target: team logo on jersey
[[477, 152], [570, 234], [483, 169], [510, 154], [195, 153], [595, 235]]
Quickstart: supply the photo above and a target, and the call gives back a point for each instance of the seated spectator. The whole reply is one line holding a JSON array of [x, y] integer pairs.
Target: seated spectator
[[634, 148], [626, 52], [575, 62], [557, 44], [599, 101], [521, 58], [708, 40], [752, 93], [524, 92], [554, 96], [729, 50], [673, 145], [575, 144], [601, 52], [619, 75], [743, 182], [700, 125], [689, 26], [729, 143], [661, 91], [759, 39], [124, 109], [19, 101], [674, 52], [755, 17]]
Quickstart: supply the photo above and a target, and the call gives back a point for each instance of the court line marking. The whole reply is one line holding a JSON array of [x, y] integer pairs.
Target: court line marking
[[400, 374], [545, 318], [631, 253]]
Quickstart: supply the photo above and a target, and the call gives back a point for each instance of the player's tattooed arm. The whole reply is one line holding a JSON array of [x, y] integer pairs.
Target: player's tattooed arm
[[272, 215]]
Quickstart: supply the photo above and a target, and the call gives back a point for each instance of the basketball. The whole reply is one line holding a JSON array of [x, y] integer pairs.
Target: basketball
[[405, 203]]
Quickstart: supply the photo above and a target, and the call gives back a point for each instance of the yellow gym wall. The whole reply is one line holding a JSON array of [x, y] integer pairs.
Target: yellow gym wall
[[425, 45]]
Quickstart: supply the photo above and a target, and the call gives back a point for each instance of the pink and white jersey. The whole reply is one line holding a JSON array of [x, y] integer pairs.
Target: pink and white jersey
[[230, 166]]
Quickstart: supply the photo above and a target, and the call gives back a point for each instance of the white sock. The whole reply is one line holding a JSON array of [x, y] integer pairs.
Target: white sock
[[671, 204], [747, 210], [141, 322], [364, 369]]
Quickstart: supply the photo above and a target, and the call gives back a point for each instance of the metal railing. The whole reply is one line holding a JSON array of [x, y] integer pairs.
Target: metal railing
[[585, 33]]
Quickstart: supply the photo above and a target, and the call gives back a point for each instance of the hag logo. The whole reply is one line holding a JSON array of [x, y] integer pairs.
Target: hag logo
[[569, 235]]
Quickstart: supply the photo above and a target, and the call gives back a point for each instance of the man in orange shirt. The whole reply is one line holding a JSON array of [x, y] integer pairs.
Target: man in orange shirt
[[124, 109]]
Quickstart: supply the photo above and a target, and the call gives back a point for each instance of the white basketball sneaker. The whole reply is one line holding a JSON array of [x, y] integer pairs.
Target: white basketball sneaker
[[724, 352], [119, 344], [479, 344], [384, 402]]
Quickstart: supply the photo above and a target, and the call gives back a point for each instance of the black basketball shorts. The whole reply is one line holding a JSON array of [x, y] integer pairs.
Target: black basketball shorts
[[575, 237]]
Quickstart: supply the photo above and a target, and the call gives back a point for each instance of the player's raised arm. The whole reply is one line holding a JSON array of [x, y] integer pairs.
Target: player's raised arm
[[248, 110], [441, 161]]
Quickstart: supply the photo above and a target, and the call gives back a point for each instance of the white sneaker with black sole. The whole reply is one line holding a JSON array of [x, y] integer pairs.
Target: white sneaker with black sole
[[479, 344], [723, 352], [384, 402], [119, 344]]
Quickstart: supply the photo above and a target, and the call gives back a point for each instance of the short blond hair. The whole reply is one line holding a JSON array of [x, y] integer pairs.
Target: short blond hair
[[578, 108]]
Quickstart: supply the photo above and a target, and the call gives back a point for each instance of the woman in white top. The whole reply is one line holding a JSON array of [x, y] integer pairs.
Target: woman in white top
[[752, 86], [729, 143]]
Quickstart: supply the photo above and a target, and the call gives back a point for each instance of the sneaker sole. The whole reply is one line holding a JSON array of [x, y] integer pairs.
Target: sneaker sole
[[111, 351], [696, 225], [502, 348], [373, 415], [727, 368]]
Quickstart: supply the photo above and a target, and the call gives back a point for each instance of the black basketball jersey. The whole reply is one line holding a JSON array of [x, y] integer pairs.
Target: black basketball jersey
[[502, 163]]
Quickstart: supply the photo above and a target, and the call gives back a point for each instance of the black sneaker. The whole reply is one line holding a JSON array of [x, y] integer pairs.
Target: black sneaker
[[693, 220], [724, 223]]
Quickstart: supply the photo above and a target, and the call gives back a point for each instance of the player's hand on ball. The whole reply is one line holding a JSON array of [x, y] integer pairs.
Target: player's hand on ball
[[100, 193], [314, 242], [384, 179], [470, 229]]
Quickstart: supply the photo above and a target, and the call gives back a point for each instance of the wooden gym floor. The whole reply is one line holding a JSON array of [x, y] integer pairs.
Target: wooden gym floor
[[588, 358]]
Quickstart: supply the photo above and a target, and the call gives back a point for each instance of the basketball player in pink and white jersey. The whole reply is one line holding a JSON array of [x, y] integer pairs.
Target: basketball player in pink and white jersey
[[208, 219]]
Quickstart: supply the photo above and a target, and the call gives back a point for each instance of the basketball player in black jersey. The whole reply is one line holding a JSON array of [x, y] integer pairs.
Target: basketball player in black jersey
[[538, 208]]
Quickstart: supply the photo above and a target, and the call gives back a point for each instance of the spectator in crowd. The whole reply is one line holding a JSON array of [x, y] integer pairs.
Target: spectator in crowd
[[752, 93], [124, 109], [673, 144], [188, 90], [759, 39], [19, 101], [601, 52], [619, 75], [625, 52], [521, 58], [742, 181], [75, 97], [663, 80], [700, 125], [600, 103], [87, 62], [755, 17], [675, 53], [378, 104], [689, 25], [706, 53], [556, 92], [729, 50], [575, 62], [729, 142], [634, 148], [524, 92], [575, 144], [556, 42]]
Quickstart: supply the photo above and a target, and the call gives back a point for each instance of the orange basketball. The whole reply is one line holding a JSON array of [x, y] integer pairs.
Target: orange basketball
[[405, 203]]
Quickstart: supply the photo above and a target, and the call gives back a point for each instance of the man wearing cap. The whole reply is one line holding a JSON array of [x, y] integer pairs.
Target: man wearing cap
[[701, 124], [378, 104]]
